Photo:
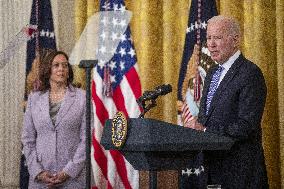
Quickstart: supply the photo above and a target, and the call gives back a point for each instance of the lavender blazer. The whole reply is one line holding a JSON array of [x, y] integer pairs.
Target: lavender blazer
[[56, 147]]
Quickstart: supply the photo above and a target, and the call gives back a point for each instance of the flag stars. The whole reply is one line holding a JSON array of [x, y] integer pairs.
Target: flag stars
[[203, 25], [132, 52], [103, 35], [122, 52], [115, 21], [52, 35], [187, 172], [123, 38], [196, 25], [102, 49], [122, 65], [42, 33], [114, 36], [192, 26], [197, 172], [122, 23], [104, 21], [112, 65], [193, 171], [47, 33], [106, 6], [115, 7], [188, 29], [112, 78], [101, 64]]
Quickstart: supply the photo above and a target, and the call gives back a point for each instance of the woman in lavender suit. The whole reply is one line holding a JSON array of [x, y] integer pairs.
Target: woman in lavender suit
[[54, 126]]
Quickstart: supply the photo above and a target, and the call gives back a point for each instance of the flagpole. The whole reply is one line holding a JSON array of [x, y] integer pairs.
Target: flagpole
[[88, 65]]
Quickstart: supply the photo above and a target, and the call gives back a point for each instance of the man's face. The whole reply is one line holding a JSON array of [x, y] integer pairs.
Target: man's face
[[221, 44]]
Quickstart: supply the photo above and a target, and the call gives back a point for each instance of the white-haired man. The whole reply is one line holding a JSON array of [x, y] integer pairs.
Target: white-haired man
[[232, 105]]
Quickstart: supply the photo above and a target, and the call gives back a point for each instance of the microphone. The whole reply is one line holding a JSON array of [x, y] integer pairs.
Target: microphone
[[152, 95]]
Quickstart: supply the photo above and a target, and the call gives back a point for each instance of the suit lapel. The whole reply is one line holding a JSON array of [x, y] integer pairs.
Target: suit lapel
[[66, 104], [43, 104], [224, 83]]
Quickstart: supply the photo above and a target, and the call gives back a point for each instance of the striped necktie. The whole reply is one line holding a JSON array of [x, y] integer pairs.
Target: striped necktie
[[213, 87]]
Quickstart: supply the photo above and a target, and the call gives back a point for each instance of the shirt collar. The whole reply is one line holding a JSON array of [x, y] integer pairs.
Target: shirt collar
[[231, 60]]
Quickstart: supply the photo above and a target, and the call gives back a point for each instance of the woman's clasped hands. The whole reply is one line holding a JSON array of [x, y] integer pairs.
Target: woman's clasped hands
[[52, 180]]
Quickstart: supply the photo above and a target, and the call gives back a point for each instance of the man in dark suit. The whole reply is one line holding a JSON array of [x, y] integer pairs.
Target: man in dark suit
[[232, 105]]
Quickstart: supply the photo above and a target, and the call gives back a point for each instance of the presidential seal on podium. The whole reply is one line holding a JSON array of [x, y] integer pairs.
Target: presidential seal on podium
[[119, 129]]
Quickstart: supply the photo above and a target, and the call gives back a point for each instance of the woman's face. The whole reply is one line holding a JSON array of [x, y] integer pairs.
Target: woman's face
[[59, 70]]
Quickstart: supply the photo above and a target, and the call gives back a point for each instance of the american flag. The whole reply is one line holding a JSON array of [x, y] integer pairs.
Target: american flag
[[190, 81], [41, 16], [200, 12], [110, 168]]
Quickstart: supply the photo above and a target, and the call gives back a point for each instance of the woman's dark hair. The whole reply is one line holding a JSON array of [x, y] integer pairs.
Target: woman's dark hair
[[45, 70]]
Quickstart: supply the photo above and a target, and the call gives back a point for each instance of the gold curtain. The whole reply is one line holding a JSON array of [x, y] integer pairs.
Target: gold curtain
[[83, 10], [158, 30]]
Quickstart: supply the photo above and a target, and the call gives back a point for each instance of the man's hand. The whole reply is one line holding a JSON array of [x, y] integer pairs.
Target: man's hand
[[194, 124]]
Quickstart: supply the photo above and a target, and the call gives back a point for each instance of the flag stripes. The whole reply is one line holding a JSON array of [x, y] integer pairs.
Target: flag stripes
[[111, 169], [104, 108]]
